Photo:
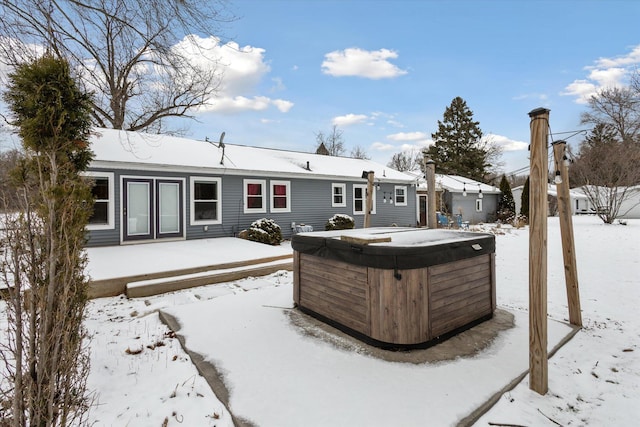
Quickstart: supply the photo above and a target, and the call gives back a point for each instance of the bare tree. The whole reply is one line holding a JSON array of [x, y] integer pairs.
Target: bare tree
[[134, 56], [406, 161], [333, 142], [619, 108], [607, 169], [359, 153]]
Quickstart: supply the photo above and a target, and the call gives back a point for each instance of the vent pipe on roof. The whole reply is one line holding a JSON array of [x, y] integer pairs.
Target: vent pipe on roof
[[308, 167]]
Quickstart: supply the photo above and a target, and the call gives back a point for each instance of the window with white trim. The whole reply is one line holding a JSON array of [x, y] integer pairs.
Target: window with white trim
[[401, 195], [360, 199], [255, 196], [280, 196], [338, 195], [478, 205], [206, 200], [102, 217]]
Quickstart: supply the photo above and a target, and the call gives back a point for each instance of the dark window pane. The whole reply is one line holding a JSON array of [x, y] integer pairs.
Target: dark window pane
[[254, 189], [205, 191], [280, 190], [358, 204], [357, 193], [254, 202], [100, 189], [280, 202], [100, 213], [337, 200], [206, 210]]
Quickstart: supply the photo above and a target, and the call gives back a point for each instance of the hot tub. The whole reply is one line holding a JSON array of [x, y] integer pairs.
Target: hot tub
[[396, 287]]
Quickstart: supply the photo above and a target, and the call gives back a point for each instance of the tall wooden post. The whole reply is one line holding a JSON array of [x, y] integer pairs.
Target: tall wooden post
[[566, 232], [538, 211], [430, 168], [369, 198]]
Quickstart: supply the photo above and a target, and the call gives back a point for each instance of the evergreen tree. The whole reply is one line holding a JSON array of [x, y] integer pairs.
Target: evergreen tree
[[524, 207], [47, 361], [506, 205], [458, 147]]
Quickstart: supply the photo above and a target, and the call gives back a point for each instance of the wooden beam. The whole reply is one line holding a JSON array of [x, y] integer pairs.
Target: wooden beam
[[566, 232], [369, 200], [430, 168], [538, 211]]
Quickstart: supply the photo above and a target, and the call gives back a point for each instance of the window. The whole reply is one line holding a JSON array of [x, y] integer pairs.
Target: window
[[478, 205], [103, 214], [255, 196], [280, 196], [360, 199], [338, 199], [401, 195], [206, 200]]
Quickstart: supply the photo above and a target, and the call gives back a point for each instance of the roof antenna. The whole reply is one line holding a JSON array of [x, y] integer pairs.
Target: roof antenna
[[220, 145]]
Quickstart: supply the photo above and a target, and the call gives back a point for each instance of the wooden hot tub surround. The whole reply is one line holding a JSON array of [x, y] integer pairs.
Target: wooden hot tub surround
[[410, 288]]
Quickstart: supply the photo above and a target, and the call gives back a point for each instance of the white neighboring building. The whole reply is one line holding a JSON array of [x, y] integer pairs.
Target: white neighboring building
[[629, 209], [579, 201]]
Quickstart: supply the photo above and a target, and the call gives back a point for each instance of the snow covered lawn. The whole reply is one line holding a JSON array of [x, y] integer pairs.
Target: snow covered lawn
[[142, 377], [277, 376]]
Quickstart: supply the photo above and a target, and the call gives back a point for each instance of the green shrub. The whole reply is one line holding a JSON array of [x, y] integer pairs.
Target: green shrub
[[340, 222], [265, 231]]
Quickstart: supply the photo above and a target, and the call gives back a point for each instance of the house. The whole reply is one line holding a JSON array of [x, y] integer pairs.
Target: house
[[578, 200], [472, 201], [153, 187], [629, 207]]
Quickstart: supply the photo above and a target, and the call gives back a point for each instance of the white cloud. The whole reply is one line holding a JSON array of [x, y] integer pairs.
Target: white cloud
[[362, 63], [349, 119], [581, 89], [241, 68], [606, 73], [506, 143], [407, 136], [630, 59], [381, 146], [282, 105]]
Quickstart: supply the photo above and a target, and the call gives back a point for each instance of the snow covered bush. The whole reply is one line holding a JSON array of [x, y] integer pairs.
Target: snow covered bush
[[340, 222], [265, 231]]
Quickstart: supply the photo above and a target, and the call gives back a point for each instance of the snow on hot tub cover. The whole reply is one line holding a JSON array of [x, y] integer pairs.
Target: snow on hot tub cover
[[409, 248]]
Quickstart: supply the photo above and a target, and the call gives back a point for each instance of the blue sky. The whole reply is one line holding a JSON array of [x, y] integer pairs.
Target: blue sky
[[384, 71]]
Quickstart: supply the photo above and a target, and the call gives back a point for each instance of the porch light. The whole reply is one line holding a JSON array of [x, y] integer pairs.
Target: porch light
[[480, 196], [464, 190]]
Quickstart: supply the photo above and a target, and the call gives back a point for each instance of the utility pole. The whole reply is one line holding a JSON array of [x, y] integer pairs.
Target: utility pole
[[566, 232], [538, 212], [430, 168], [369, 199]]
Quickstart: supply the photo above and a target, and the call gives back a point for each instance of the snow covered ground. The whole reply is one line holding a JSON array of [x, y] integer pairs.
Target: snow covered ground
[[142, 377]]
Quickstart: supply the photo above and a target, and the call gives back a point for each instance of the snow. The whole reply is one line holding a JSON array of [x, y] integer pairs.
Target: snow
[[121, 149], [277, 375]]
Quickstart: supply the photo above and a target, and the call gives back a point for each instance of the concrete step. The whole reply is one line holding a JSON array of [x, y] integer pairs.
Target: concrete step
[[117, 285], [145, 288]]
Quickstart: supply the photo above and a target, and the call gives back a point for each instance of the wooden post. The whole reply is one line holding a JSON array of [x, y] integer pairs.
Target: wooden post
[[566, 232], [430, 168], [369, 198], [538, 211]]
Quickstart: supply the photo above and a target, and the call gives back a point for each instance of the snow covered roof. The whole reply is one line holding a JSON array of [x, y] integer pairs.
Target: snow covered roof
[[134, 150], [455, 184], [552, 191]]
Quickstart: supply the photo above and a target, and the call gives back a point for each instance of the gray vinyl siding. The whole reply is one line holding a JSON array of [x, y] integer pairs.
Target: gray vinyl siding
[[466, 206], [310, 205]]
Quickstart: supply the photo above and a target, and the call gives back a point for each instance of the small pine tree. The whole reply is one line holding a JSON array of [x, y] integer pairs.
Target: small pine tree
[[524, 207], [506, 205], [47, 361]]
